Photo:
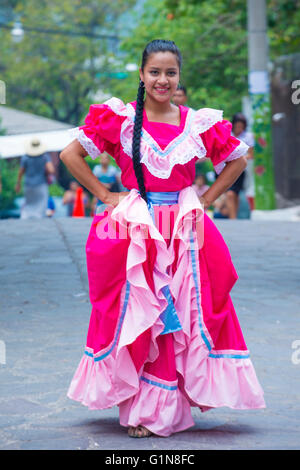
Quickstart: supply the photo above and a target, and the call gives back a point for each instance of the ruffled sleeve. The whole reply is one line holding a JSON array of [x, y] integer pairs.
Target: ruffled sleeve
[[101, 132], [221, 146]]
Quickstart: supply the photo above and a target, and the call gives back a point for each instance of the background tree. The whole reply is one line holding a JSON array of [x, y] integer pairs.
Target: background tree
[[212, 37], [213, 43], [56, 75]]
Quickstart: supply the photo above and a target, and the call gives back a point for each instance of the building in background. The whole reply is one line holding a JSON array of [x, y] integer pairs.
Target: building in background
[[285, 89]]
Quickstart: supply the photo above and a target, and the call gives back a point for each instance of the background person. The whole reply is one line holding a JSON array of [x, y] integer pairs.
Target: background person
[[109, 175], [239, 125], [70, 196], [220, 208], [200, 185], [180, 96], [37, 166], [51, 207]]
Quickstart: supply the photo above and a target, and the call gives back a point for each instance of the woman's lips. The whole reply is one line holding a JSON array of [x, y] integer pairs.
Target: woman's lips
[[162, 91]]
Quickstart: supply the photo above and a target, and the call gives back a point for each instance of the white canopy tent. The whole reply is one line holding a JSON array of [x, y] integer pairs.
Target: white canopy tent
[[20, 127], [13, 145]]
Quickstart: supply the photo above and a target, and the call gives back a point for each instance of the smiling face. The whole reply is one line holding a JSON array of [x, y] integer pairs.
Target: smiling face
[[161, 76]]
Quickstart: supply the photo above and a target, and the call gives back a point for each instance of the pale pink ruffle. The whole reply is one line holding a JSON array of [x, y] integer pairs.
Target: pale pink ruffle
[[104, 383], [96, 385], [161, 411], [215, 382]]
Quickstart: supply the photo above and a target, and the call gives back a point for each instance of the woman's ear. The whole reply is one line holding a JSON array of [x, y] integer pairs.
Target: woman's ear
[[141, 75]]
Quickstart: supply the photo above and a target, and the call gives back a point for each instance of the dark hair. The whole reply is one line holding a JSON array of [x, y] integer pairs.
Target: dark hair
[[183, 88], [157, 45], [239, 117]]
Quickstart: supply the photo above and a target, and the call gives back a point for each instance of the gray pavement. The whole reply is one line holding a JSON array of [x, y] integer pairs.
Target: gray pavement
[[44, 315]]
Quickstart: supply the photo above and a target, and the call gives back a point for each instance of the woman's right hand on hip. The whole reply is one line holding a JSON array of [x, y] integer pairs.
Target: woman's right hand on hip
[[113, 199]]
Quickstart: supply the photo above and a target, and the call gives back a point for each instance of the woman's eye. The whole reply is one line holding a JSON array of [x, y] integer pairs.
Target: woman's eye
[[155, 72]]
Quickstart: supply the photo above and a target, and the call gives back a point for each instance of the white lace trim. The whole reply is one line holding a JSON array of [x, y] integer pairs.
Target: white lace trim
[[205, 118], [85, 141], [117, 106], [180, 150], [238, 152], [160, 162]]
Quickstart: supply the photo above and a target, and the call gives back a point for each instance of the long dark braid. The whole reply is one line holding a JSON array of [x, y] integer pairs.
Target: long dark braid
[[136, 140], [157, 45]]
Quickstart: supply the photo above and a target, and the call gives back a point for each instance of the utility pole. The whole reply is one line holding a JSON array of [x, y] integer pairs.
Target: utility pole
[[259, 91]]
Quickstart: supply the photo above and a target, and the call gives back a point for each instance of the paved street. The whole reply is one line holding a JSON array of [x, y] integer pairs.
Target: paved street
[[44, 317]]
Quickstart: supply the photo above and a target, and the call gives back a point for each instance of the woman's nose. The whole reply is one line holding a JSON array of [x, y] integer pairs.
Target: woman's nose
[[162, 79]]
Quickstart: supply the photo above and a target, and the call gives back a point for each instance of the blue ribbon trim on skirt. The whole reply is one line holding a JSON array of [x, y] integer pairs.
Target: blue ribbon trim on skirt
[[169, 316]]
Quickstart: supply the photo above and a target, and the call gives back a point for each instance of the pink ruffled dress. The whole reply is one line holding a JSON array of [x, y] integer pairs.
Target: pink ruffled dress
[[163, 333]]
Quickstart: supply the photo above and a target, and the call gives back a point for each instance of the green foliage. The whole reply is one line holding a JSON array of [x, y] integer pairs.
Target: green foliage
[[212, 37], [213, 43], [9, 172], [7, 4], [263, 164], [204, 167], [92, 163], [57, 75], [56, 190], [283, 26], [283, 19]]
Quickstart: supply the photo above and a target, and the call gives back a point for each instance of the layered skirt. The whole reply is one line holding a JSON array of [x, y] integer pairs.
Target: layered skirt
[[163, 334]]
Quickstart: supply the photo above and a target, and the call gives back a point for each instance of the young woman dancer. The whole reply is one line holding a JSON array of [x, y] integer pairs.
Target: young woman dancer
[[163, 333]]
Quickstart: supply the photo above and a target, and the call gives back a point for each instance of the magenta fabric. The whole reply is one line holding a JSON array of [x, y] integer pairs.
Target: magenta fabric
[[219, 142], [104, 281]]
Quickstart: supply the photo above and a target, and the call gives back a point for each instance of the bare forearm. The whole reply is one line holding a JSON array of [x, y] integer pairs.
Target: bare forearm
[[79, 168], [230, 174], [20, 175]]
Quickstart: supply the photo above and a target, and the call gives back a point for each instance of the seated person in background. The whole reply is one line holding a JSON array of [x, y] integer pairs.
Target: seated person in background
[[109, 175], [70, 196], [221, 210]]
